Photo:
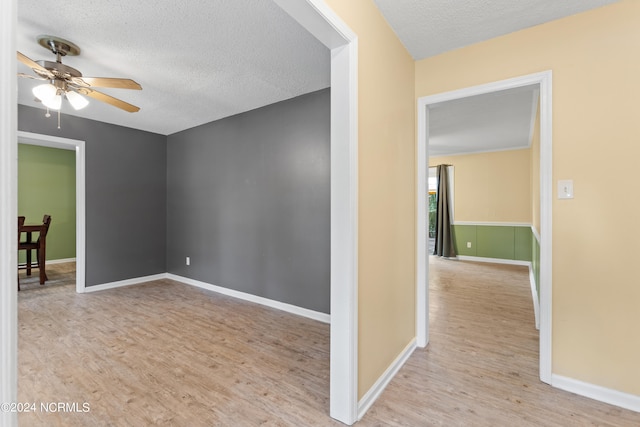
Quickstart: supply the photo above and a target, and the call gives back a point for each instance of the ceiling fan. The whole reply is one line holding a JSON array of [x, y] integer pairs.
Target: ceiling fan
[[67, 82]]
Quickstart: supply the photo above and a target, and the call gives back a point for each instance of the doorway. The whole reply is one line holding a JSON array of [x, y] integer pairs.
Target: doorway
[[78, 147], [543, 81], [47, 186]]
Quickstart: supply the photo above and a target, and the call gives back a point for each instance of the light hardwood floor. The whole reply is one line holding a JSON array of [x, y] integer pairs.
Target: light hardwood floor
[[164, 353]]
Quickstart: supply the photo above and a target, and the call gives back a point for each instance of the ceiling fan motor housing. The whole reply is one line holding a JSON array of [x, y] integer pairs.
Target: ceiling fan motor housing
[[60, 70]]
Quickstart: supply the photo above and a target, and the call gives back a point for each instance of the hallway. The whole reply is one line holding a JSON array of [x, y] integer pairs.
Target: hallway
[[481, 365]]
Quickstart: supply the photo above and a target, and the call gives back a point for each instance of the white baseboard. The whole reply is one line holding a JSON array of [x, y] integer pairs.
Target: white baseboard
[[602, 394], [128, 282], [493, 260], [376, 390], [311, 314], [534, 296], [60, 261]]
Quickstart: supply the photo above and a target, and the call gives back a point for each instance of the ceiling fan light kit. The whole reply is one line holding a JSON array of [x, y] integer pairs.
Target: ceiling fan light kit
[[67, 82], [48, 94], [76, 100]]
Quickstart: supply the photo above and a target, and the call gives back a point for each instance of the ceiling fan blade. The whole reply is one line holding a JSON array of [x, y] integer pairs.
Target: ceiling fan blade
[[29, 76], [34, 65], [109, 100], [107, 82]]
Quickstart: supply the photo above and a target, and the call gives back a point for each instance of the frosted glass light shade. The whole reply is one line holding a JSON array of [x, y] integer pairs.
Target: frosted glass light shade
[[76, 100], [44, 92], [53, 103]]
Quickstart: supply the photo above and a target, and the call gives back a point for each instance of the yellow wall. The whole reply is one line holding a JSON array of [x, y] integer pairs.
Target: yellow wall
[[386, 119], [491, 187], [595, 61]]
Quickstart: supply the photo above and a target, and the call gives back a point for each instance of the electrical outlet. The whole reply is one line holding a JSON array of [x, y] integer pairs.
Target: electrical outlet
[[469, 245], [188, 261]]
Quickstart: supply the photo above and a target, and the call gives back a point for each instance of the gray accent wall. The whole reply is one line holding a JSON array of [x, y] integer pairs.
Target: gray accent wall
[[248, 200], [125, 194]]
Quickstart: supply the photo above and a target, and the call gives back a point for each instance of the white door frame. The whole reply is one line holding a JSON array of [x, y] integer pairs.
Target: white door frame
[[78, 147], [8, 212], [326, 26], [544, 80]]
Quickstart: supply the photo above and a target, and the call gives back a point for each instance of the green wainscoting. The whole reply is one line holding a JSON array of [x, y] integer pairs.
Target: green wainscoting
[[463, 234], [522, 242], [47, 185], [494, 241]]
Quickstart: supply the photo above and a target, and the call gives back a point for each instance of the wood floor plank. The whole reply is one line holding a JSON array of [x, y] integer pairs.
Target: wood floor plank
[[481, 365], [165, 353]]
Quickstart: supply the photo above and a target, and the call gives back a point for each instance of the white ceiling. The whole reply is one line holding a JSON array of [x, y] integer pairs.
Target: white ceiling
[[483, 123], [492, 122], [431, 27], [202, 60], [197, 61]]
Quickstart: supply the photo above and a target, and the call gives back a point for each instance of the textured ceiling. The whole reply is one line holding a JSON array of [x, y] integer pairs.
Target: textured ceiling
[[430, 27], [197, 60], [202, 60], [482, 123], [491, 122]]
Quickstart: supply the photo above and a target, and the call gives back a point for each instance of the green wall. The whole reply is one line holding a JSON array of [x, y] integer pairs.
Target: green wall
[[494, 241], [47, 185]]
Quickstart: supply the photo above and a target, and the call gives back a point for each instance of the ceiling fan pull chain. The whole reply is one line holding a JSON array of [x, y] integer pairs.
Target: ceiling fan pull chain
[[48, 114], [58, 119]]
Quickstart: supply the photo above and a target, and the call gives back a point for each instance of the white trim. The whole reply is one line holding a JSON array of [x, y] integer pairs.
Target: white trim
[[534, 296], [127, 282], [79, 148], [546, 200], [494, 260], [544, 80], [596, 392], [534, 114], [497, 224], [344, 234], [60, 261], [289, 308], [422, 227], [535, 234], [376, 389], [321, 21], [8, 211], [470, 153]]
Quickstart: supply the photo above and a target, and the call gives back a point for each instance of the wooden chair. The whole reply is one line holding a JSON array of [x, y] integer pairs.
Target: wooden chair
[[40, 246]]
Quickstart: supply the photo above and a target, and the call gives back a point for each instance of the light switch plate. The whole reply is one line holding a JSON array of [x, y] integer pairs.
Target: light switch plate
[[565, 189]]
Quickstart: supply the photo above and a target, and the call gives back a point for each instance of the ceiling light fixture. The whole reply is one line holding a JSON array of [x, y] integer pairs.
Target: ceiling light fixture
[[51, 96], [76, 100], [67, 82]]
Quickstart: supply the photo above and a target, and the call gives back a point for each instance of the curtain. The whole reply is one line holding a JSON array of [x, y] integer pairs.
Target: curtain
[[444, 239]]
